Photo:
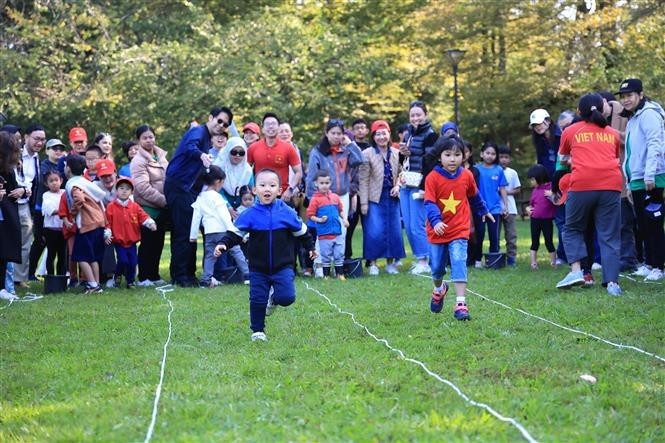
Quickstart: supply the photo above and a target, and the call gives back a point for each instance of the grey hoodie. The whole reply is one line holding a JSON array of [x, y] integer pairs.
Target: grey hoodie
[[645, 144]]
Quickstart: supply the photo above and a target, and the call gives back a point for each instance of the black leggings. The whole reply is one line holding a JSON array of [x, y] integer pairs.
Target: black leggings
[[545, 226], [57, 246]]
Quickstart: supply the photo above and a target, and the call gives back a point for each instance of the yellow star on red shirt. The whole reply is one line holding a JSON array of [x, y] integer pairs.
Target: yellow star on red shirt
[[450, 204]]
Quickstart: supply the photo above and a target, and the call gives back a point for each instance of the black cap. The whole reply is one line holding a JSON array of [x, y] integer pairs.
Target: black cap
[[630, 85], [12, 129]]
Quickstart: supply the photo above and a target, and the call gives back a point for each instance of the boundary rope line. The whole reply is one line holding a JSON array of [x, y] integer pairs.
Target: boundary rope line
[[158, 392], [424, 367]]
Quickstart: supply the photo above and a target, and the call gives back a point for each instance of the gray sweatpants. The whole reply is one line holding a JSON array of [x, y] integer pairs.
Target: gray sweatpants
[[604, 207]]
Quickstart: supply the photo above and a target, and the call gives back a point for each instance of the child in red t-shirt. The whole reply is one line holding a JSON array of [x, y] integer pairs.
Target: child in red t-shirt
[[125, 218], [450, 190]]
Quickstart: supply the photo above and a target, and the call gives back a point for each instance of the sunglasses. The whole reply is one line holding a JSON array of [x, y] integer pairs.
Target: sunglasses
[[222, 123], [237, 153]]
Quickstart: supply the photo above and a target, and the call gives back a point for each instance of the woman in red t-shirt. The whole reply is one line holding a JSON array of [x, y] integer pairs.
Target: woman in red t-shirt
[[595, 192]]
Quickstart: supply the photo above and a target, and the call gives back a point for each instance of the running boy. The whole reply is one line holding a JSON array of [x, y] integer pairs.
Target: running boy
[[326, 210], [125, 218], [512, 189], [272, 227], [449, 189]]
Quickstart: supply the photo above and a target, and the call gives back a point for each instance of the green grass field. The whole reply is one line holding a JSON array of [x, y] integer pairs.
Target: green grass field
[[75, 367]]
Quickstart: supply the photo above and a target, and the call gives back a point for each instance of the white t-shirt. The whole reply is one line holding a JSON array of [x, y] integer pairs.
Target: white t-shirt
[[513, 182], [51, 203]]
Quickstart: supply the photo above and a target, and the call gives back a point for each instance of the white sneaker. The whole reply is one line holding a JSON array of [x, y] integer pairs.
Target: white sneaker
[[259, 336], [398, 263], [596, 267], [144, 283], [642, 271], [6, 295], [559, 262], [156, 282], [214, 282], [391, 269], [655, 274], [110, 283], [318, 272], [421, 268], [478, 265], [373, 270], [270, 307]]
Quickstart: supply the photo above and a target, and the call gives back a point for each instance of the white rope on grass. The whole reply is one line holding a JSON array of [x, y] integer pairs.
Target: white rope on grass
[[162, 290], [436, 376], [566, 328], [29, 296]]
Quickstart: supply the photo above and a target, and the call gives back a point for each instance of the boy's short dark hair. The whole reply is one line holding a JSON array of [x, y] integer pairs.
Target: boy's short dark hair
[[76, 163], [503, 149], [321, 173], [95, 148], [213, 174], [359, 121], [268, 171]]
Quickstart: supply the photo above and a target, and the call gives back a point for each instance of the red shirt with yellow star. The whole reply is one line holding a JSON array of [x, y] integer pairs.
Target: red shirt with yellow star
[[448, 198]]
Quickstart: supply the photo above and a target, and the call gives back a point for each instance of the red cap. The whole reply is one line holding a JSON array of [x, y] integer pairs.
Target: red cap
[[77, 134], [380, 124], [104, 167], [251, 126], [124, 180]]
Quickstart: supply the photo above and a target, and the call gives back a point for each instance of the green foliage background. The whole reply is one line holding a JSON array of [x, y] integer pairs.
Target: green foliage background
[[113, 65]]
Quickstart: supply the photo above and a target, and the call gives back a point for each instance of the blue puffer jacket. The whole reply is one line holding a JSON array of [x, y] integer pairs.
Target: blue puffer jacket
[[422, 139]]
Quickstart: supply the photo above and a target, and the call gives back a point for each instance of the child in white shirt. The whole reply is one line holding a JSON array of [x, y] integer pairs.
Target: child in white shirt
[[55, 239], [210, 210], [508, 221]]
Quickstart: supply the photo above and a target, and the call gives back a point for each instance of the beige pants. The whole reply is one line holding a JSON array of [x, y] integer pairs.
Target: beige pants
[[21, 270]]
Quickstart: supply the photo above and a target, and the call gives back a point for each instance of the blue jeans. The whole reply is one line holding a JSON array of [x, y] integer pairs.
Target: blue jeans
[[456, 250], [413, 216], [259, 286]]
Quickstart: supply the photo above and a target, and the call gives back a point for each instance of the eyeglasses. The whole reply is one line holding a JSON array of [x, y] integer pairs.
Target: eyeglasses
[[237, 153], [222, 123], [38, 139]]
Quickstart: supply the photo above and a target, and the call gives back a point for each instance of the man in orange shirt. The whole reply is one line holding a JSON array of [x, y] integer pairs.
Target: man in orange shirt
[[273, 153]]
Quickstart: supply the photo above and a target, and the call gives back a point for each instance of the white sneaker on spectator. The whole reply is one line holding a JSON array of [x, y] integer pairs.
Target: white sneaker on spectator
[[391, 269], [259, 336], [642, 271], [421, 268], [214, 282], [559, 262], [478, 265], [373, 270], [144, 283], [6, 295], [318, 272], [398, 263], [654, 275], [159, 282], [596, 267], [110, 283]]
